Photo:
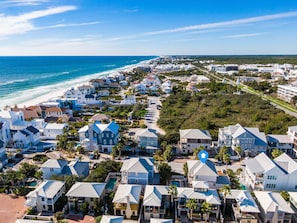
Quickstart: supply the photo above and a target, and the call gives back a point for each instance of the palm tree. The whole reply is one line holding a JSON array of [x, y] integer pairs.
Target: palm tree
[[192, 205], [276, 153], [185, 169], [205, 209], [226, 159], [196, 151], [225, 190], [238, 150], [172, 191]]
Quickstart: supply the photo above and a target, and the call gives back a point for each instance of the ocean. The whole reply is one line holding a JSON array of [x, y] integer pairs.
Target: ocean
[[25, 78]]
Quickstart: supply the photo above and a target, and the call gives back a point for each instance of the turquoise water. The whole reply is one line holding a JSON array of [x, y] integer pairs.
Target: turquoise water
[[111, 183], [242, 187], [32, 183], [25, 78], [175, 183]]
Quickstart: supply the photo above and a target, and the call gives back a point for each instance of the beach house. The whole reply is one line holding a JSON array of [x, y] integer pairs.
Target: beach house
[[26, 138], [45, 196], [98, 136], [62, 167], [200, 195], [205, 174], [244, 207], [156, 201], [283, 142], [138, 170], [292, 132], [251, 140], [167, 86], [85, 192], [293, 202], [5, 134], [52, 130], [147, 139], [193, 138], [273, 207], [15, 119], [262, 173], [127, 200], [53, 112]]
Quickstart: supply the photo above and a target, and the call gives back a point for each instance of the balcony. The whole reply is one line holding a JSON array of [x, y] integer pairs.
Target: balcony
[[120, 206], [154, 210], [242, 215]]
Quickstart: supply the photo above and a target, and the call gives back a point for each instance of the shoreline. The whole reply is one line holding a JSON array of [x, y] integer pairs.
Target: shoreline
[[57, 90]]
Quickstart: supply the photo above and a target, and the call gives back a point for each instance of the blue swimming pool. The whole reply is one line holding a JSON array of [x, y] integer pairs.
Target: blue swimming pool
[[175, 183], [242, 187], [111, 183], [31, 183]]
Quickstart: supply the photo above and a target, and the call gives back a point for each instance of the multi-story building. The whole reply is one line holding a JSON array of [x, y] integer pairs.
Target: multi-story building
[[243, 205], [205, 174], [138, 170], [251, 140], [127, 200], [5, 134], [273, 207], [52, 130], [45, 196], [193, 138], [62, 167], [26, 138], [98, 136], [262, 173], [292, 132], [200, 195], [282, 142], [155, 201], [287, 92], [85, 192], [147, 139]]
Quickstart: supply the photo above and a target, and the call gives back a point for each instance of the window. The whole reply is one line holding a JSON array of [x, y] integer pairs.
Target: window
[[52, 169]]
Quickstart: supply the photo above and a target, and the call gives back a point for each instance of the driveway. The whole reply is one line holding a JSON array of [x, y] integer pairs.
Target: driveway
[[153, 114]]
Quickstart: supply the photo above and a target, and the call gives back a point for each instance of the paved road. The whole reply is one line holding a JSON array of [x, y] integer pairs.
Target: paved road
[[153, 114]]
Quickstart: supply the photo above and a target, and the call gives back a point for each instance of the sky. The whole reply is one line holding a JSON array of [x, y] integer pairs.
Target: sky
[[147, 27]]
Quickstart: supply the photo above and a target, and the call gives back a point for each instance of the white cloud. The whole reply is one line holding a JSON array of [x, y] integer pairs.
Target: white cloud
[[11, 25], [243, 35], [131, 10], [68, 25], [226, 23], [208, 26], [13, 3]]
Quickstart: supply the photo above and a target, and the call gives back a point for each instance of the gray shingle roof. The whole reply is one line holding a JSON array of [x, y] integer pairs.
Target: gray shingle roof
[[85, 189], [194, 134], [127, 193], [52, 163], [272, 201]]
